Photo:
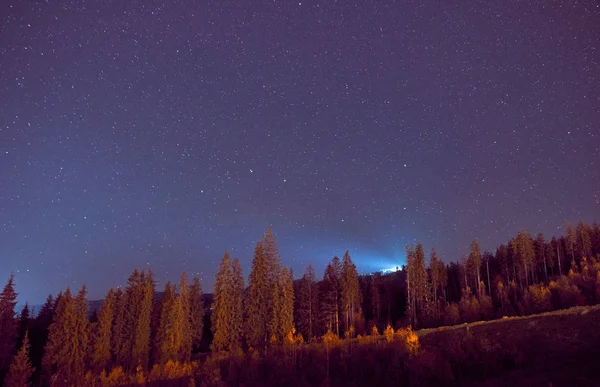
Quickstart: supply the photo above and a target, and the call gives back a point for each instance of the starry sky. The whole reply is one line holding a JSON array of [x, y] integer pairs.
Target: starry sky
[[153, 133]]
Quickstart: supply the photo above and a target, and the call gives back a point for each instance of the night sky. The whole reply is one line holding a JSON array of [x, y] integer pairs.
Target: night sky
[[146, 133]]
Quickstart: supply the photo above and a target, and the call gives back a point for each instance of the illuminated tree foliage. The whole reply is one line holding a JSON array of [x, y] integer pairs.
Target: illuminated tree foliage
[[308, 304], [196, 312], [66, 350], [223, 306], [237, 297], [21, 370], [101, 348], [183, 320], [350, 292], [168, 337]]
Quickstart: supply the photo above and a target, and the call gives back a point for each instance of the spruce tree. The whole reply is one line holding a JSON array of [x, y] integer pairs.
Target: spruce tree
[[274, 300], [141, 342], [21, 369], [118, 339], [66, 349], [8, 323], [584, 240], [101, 354], [286, 315], [223, 306], [81, 335], [257, 305], [308, 304], [474, 264], [184, 311], [237, 297], [331, 295], [350, 291], [168, 340], [196, 312]]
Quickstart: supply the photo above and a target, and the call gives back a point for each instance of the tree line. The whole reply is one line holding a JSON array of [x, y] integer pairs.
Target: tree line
[[140, 332]]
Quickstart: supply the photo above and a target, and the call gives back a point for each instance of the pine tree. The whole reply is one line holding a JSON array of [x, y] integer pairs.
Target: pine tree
[[101, 354], [331, 296], [524, 253], [8, 323], [570, 239], [223, 305], [286, 316], [21, 371], [118, 339], [540, 253], [141, 342], [274, 301], [584, 241], [308, 304], [350, 291], [196, 312], [39, 331], [80, 335], [237, 297], [66, 349], [257, 305], [168, 337], [24, 322], [474, 263], [185, 351]]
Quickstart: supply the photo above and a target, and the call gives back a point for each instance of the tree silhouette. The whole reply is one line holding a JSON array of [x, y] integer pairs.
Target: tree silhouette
[[8, 323]]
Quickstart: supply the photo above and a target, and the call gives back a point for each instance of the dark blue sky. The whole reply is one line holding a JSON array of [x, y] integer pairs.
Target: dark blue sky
[[137, 133]]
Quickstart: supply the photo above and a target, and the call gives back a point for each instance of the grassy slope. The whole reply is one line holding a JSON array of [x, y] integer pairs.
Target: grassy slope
[[557, 348]]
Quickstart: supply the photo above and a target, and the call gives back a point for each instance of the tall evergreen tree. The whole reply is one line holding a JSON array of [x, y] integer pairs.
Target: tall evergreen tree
[[39, 331], [286, 316], [196, 312], [350, 291], [570, 239], [258, 299], [474, 264], [584, 240], [331, 296], [524, 253], [308, 304], [141, 342], [21, 370], [168, 337], [101, 352], [185, 351], [24, 322], [274, 300], [66, 349], [237, 297], [81, 334], [8, 323], [223, 306]]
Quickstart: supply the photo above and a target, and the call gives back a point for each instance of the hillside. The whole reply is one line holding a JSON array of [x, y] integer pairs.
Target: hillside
[[556, 348]]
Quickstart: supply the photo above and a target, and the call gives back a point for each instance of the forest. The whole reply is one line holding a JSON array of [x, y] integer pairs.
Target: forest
[[340, 328]]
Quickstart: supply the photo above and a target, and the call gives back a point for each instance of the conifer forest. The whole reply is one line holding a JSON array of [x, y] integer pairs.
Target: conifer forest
[[433, 322]]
